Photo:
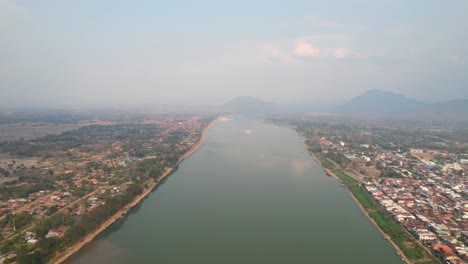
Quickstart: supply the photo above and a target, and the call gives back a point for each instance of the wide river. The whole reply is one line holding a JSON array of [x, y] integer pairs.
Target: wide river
[[244, 198]]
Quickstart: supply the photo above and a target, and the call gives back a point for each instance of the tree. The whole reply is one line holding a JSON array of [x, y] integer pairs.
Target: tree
[[34, 258], [42, 227], [47, 246], [52, 210]]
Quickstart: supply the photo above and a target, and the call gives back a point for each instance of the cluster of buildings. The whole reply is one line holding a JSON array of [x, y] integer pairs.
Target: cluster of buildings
[[432, 209], [83, 181], [37, 203], [424, 190]]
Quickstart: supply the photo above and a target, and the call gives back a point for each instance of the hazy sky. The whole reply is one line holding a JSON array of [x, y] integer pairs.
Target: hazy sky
[[104, 52]]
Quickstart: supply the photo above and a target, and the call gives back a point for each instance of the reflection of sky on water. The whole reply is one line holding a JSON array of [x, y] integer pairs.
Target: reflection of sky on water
[[299, 166], [257, 198], [249, 148]]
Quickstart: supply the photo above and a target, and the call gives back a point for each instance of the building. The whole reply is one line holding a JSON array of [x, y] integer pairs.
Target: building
[[426, 236]]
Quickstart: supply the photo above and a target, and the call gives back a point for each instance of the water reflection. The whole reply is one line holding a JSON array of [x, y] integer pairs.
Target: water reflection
[[256, 198], [299, 166]]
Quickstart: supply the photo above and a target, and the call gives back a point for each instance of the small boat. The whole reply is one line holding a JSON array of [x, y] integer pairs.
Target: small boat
[[328, 172], [342, 185]]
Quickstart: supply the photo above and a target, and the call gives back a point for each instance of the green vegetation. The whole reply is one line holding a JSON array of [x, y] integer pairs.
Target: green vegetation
[[405, 242], [91, 221], [357, 191], [121, 159], [80, 227], [84, 137], [327, 164], [338, 158], [35, 184], [389, 173]]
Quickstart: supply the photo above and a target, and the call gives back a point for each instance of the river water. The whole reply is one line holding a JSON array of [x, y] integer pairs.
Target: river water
[[244, 198]]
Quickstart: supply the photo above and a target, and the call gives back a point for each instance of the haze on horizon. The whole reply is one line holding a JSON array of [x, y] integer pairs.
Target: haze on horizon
[[103, 53]]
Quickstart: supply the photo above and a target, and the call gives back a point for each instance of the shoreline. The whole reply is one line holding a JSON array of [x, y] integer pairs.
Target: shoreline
[[91, 236], [384, 235]]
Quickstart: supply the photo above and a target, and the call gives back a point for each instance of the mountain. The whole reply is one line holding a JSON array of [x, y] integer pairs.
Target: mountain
[[248, 104], [377, 102]]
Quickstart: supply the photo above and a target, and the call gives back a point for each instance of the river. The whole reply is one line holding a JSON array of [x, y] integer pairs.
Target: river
[[244, 197]]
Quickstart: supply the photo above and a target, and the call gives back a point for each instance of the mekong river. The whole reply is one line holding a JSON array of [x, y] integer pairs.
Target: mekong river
[[244, 198]]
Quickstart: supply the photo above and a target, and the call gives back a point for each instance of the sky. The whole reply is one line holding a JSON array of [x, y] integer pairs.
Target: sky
[[93, 53]]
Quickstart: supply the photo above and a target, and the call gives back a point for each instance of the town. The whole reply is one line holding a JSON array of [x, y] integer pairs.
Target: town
[[56, 189], [416, 174]]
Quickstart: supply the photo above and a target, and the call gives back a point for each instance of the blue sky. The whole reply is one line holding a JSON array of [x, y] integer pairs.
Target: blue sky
[[109, 52]]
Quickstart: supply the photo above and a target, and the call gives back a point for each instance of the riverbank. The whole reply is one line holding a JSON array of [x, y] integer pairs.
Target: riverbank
[[88, 238], [366, 204], [366, 213], [409, 249]]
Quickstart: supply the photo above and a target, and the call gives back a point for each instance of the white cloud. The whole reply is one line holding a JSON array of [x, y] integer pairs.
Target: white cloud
[[304, 49], [283, 51], [341, 53]]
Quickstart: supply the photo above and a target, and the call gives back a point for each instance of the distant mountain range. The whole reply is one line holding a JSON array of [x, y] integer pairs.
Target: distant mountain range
[[384, 103], [377, 102], [373, 103]]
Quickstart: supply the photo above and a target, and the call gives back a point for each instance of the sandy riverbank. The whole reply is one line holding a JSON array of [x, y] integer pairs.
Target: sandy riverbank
[[88, 238]]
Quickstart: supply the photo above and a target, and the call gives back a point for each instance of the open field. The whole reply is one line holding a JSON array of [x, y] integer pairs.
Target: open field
[[11, 132], [427, 155]]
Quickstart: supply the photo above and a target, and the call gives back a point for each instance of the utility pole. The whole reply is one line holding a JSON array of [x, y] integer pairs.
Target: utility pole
[[14, 222]]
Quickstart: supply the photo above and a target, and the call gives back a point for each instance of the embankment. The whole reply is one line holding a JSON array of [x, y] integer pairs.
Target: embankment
[[89, 237], [370, 209]]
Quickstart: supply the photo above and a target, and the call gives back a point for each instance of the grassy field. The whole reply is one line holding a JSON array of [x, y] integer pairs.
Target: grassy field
[[327, 164], [404, 241], [360, 195], [410, 247]]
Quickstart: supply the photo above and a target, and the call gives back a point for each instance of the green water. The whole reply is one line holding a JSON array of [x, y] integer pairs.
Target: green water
[[244, 198]]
